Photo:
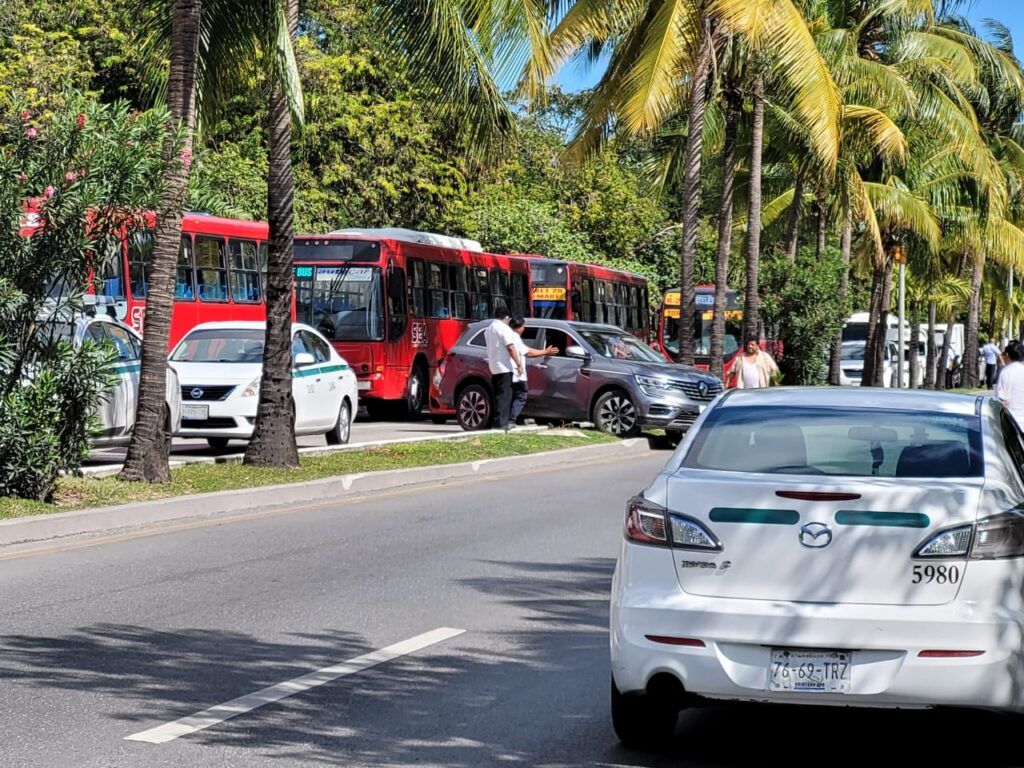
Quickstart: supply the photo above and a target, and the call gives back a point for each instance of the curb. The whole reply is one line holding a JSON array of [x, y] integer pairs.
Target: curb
[[110, 470], [60, 525]]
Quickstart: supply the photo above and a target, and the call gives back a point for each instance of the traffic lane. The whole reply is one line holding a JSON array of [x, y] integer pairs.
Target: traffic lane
[[101, 643], [363, 430]]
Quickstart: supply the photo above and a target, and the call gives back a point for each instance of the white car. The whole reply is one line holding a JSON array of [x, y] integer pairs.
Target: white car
[[220, 365], [825, 547], [117, 414]]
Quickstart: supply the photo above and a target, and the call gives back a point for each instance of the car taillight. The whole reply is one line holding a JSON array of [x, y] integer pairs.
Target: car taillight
[[650, 523], [999, 536]]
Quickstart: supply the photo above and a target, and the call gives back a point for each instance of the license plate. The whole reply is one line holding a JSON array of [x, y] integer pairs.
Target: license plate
[[364, 385], [810, 671], [192, 411]]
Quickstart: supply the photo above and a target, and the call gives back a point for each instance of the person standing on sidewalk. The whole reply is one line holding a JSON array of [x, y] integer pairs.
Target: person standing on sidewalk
[[503, 360], [991, 354], [755, 368], [520, 388]]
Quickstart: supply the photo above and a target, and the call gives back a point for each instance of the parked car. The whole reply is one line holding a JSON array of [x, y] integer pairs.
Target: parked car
[[117, 415], [220, 365], [825, 547], [600, 374]]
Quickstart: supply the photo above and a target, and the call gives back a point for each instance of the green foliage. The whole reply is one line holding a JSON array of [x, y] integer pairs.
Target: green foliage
[[801, 304], [86, 166]]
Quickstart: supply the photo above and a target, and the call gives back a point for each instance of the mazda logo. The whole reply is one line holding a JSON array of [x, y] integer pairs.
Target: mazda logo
[[196, 393], [815, 535]]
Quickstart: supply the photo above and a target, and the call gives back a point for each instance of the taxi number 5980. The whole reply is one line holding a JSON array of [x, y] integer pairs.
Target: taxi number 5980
[[935, 574]]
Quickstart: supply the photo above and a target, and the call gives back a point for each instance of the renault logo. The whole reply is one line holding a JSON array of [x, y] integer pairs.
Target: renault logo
[[702, 387], [815, 535], [196, 393]]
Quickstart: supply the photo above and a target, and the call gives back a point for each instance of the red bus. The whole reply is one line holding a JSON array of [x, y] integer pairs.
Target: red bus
[[393, 301], [566, 290], [668, 326], [220, 272]]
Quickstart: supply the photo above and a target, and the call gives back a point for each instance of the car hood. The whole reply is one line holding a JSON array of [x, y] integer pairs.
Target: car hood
[[217, 373], [667, 370]]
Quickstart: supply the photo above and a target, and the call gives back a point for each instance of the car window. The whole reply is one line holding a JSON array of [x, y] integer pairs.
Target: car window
[[620, 346], [317, 346], [221, 345], [1012, 439], [299, 346], [560, 339], [857, 442], [127, 345], [532, 337], [478, 340]]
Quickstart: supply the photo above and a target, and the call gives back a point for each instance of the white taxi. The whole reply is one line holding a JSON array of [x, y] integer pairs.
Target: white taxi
[[831, 547], [220, 364]]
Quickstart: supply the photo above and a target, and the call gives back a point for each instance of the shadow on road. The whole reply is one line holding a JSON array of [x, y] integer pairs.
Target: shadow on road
[[532, 693]]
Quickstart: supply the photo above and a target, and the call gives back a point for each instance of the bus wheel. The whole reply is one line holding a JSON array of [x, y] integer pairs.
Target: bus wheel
[[416, 394], [474, 408]]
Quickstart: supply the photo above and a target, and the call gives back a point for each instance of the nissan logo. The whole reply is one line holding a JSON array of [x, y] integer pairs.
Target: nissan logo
[[196, 393], [815, 535]]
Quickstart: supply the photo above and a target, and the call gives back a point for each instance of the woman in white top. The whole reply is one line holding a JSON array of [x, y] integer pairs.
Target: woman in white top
[[1010, 384], [754, 369]]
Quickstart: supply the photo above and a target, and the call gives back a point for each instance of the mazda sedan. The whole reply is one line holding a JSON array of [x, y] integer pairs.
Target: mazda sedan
[[825, 547]]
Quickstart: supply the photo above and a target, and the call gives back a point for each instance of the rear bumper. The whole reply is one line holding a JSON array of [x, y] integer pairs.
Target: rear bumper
[[885, 641]]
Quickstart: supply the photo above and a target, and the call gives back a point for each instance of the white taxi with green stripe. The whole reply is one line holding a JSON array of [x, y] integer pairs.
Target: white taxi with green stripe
[[220, 365]]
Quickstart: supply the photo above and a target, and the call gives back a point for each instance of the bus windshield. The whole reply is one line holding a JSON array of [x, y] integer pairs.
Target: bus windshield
[[344, 303], [702, 333], [550, 282]]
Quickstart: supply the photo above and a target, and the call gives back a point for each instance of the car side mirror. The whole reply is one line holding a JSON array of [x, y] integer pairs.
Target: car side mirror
[[576, 351], [303, 359]]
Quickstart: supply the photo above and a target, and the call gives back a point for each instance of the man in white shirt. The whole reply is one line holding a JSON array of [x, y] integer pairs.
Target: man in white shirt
[[520, 387], [991, 354], [1010, 386], [503, 359]]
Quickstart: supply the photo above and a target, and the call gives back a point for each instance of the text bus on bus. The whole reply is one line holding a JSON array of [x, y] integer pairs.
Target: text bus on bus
[[668, 326], [566, 290], [393, 301]]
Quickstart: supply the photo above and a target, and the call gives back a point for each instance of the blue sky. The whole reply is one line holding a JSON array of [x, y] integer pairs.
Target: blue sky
[[1010, 12]]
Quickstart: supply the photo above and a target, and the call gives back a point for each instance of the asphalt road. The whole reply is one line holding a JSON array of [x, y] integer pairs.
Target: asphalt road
[[124, 637]]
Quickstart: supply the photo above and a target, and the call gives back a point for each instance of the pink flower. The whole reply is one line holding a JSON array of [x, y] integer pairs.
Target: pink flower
[[70, 175], [186, 158], [22, 177], [80, 121], [25, 115], [31, 133], [48, 192]]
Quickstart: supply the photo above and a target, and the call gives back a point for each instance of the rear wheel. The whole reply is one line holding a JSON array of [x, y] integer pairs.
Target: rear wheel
[[342, 430], [643, 721], [474, 408], [217, 443], [615, 414]]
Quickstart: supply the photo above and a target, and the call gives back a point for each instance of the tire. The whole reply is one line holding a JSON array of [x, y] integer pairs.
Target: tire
[[474, 408], [169, 440], [416, 394], [217, 443], [438, 419], [615, 414], [342, 430], [642, 721]]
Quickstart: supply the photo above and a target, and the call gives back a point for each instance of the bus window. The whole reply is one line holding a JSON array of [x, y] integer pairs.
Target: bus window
[[396, 303], [645, 308], [417, 284], [264, 255], [588, 301], [519, 295], [438, 285], [109, 280], [211, 271], [245, 271], [599, 301], [140, 262], [499, 289], [184, 279], [458, 281], [481, 298]]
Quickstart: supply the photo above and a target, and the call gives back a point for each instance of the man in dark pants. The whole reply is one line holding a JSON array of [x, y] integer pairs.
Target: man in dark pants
[[503, 359], [520, 388]]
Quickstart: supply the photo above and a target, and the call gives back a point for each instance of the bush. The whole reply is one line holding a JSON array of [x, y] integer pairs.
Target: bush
[[89, 171]]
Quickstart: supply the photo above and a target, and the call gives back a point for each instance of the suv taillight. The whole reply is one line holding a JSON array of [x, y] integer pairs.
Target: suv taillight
[[650, 523]]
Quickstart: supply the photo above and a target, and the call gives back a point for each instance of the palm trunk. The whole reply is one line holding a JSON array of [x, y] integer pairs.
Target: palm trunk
[[973, 319], [146, 459], [929, 361], [991, 316], [915, 340], [273, 440], [821, 207], [733, 113], [874, 350], [751, 324], [692, 196], [845, 248], [793, 223]]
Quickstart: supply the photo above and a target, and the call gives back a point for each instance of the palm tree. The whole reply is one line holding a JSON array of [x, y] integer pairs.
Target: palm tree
[[146, 459]]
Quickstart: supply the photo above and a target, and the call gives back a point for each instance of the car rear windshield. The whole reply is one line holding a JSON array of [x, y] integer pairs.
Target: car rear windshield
[[854, 442], [221, 345]]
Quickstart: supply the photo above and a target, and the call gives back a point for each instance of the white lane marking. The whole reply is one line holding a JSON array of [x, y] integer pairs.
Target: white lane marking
[[221, 712]]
